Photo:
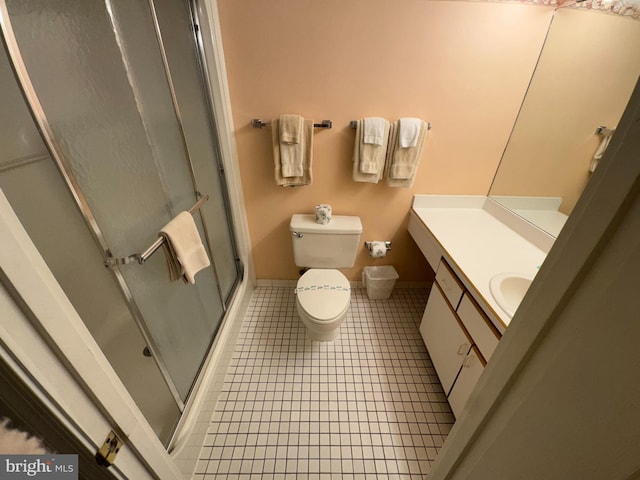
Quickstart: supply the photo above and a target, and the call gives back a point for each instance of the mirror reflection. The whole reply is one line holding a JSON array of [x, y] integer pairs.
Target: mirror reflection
[[586, 72]]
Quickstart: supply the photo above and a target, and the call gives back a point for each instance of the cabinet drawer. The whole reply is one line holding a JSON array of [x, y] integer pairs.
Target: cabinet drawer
[[484, 335], [446, 341], [451, 286], [472, 368]]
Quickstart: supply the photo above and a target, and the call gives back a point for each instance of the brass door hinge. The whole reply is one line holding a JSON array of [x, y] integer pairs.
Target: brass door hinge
[[106, 455]]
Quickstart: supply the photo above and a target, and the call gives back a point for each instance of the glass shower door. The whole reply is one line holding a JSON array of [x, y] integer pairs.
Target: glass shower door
[[107, 108]]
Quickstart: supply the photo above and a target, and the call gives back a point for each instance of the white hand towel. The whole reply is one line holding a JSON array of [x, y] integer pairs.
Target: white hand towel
[[409, 132], [374, 128], [183, 248]]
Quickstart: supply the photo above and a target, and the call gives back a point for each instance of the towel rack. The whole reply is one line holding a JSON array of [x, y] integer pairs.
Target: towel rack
[[602, 130], [111, 262], [354, 123], [257, 123]]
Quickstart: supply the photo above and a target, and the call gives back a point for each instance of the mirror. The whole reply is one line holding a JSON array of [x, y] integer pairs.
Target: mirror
[[585, 75]]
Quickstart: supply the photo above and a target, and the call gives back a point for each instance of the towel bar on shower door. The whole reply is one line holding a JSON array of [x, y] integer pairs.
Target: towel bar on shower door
[[111, 262]]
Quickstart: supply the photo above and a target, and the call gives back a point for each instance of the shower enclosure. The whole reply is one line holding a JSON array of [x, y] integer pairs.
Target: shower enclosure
[[107, 134]]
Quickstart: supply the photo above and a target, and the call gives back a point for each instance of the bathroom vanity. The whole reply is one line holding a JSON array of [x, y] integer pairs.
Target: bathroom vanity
[[485, 257]]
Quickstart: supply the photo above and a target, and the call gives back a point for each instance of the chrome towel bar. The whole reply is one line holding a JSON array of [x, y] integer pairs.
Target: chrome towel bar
[[354, 123], [602, 130], [111, 262], [257, 123]]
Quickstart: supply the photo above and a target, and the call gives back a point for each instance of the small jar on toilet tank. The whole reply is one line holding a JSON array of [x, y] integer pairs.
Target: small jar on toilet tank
[[323, 213]]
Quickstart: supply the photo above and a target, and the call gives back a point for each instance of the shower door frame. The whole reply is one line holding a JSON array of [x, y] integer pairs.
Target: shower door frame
[[41, 121], [206, 83]]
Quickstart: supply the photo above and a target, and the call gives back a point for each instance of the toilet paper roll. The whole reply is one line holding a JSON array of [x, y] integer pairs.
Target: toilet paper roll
[[323, 214], [378, 249]]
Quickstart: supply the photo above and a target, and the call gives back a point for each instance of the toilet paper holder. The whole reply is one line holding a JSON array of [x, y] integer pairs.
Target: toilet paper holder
[[369, 244]]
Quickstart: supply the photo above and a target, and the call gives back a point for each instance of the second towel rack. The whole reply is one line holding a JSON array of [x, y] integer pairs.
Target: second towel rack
[[354, 123]]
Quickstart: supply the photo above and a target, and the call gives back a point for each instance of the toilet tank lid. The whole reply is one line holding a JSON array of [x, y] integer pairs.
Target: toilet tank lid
[[339, 224]]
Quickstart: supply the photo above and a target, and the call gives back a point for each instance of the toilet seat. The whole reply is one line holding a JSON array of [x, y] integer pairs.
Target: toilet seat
[[323, 294]]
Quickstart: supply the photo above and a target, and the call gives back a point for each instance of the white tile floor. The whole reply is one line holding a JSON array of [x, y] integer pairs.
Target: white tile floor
[[368, 405]]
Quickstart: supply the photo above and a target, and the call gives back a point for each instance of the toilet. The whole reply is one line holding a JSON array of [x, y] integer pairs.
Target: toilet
[[323, 293]]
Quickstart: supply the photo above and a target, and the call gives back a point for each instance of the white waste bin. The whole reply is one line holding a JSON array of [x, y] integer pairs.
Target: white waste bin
[[379, 281]]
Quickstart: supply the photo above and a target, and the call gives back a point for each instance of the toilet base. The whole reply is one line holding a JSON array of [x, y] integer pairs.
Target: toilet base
[[322, 336]]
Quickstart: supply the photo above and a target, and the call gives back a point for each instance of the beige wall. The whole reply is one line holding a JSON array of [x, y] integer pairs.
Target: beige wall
[[462, 66], [584, 79]]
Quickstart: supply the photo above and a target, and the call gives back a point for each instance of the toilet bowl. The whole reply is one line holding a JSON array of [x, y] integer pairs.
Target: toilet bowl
[[322, 300]]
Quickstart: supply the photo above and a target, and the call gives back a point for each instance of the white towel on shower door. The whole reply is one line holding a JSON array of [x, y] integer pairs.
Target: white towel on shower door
[[183, 248]]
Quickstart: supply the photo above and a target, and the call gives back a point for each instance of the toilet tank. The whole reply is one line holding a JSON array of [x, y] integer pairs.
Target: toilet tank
[[333, 245]]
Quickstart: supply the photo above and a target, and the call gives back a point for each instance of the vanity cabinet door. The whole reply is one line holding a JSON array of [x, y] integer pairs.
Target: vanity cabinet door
[[472, 367], [446, 342]]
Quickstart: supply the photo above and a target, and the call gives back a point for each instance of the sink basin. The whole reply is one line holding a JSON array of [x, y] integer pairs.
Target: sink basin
[[509, 289]]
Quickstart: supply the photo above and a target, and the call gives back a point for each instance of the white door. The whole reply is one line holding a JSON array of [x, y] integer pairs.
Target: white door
[[470, 372]]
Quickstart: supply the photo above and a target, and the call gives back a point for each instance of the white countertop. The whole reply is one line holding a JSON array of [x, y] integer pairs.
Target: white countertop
[[480, 239]]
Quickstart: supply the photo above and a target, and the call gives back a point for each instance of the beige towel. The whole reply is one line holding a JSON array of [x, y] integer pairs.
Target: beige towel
[[368, 159], [183, 248], [402, 163], [291, 128], [291, 144], [306, 154]]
